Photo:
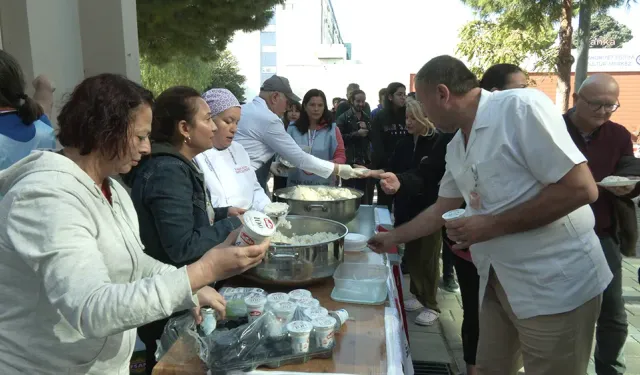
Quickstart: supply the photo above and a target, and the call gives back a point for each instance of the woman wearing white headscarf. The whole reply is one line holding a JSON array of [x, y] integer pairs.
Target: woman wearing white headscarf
[[227, 168]]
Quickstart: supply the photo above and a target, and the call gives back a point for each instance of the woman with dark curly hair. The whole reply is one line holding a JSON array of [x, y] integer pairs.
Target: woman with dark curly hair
[[74, 281]]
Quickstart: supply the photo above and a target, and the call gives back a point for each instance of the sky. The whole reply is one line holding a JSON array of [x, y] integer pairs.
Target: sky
[[408, 33]]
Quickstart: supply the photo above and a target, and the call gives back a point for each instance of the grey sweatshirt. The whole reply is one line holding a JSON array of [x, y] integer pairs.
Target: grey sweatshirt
[[74, 281]]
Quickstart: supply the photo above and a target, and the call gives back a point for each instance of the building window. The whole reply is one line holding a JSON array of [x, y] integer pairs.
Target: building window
[[269, 70], [268, 59], [269, 29], [267, 39]]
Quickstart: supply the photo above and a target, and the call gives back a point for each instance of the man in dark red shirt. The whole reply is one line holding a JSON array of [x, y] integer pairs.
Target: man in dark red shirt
[[603, 142]]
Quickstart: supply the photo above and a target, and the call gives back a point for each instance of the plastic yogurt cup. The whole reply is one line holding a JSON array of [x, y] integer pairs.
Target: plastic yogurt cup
[[312, 313], [255, 290], [283, 311], [257, 227], [340, 315], [255, 306], [299, 294], [300, 332], [324, 331], [306, 303], [453, 214], [274, 298]]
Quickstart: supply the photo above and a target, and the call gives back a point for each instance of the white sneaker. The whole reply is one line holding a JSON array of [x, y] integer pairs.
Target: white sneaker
[[412, 304], [427, 317]]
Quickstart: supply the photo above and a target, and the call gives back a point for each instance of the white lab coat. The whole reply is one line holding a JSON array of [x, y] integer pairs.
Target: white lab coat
[[230, 179]]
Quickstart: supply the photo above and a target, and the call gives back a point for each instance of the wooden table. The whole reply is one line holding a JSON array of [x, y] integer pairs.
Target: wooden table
[[360, 344]]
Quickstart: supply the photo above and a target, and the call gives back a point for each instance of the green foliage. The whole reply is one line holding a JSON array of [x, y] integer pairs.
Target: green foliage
[[193, 72], [607, 32], [196, 28], [225, 73], [485, 43]]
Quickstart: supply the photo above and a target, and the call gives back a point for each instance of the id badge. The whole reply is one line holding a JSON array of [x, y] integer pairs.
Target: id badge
[[306, 149], [210, 213]]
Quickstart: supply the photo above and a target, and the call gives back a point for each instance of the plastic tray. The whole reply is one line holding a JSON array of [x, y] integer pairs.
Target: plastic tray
[[360, 283]]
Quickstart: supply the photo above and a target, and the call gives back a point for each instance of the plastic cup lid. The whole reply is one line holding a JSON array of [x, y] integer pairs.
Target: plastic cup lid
[[308, 302], [285, 306], [300, 293], [453, 214], [256, 290], [299, 327], [259, 223], [255, 300], [277, 297], [324, 322], [316, 312]]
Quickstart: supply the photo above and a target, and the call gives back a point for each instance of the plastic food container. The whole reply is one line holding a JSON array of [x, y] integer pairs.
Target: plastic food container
[[298, 294], [257, 227], [453, 214], [300, 332], [306, 303], [274, 298], [312, 313], [360, 283], [324, 331], [255, 306]]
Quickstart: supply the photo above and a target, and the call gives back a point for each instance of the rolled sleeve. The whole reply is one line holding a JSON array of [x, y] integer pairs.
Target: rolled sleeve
[[545, 144]]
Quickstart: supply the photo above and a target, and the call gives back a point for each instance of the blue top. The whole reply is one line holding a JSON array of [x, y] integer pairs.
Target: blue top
[[321, 143], [17, 140]]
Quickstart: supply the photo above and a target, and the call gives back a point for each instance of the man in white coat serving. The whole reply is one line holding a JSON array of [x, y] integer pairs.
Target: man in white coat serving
[[226, 167], [262, 134]]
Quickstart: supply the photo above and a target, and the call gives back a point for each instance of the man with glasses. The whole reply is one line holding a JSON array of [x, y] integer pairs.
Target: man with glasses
[[262, 134], [603, 142]]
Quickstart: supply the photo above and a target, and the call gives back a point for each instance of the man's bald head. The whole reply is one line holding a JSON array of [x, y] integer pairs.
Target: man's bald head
[[595, 101], [598, 84]]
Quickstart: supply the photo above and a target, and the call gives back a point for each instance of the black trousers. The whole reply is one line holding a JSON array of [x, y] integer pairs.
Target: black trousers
[[447, 259], [612, 326], [279, 183], [469, 288]]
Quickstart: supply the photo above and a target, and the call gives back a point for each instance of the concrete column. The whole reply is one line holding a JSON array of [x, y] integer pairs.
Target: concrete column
[[109, 32], [44, 36]]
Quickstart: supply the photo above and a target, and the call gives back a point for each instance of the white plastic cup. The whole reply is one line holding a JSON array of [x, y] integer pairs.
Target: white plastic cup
[[300, 332], [283, 311], [312, 313], [255, 306], [453, 214], [324, 331], [274, 298], [257, 227], [299, 294], [306, 303], [341, 317]]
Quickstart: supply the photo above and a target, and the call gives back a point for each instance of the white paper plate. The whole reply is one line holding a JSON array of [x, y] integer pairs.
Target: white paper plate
[[618, 183]]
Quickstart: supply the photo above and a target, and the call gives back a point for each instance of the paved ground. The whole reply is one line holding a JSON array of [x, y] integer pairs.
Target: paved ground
[[442, 342]]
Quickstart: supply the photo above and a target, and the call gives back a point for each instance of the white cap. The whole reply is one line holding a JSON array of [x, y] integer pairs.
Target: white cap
[[324, 322], [299, 327], [285, 306], [255, 300], [277, 297]]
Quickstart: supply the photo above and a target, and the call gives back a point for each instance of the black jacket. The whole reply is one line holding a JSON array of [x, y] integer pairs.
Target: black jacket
[[419, 168], [168, 192], [387, 129], [357, 149]]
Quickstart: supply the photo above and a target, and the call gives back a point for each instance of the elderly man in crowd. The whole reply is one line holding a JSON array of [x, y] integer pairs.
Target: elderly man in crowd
[[605, 143], [528, 224], [262, 134]]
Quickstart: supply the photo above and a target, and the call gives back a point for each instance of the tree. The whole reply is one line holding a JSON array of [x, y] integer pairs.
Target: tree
[[196, 28], [505, 20], [194, 72], [226, 74], [606, 32]]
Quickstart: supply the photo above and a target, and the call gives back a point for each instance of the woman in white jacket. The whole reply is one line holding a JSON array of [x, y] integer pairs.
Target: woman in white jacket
[[74, 281], [227, 168]]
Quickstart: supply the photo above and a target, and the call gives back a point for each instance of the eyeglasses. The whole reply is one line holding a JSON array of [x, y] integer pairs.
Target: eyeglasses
[[596, 106]]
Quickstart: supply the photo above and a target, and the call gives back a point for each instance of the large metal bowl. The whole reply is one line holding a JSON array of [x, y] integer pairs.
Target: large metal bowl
[[291, 265], [342, 210]]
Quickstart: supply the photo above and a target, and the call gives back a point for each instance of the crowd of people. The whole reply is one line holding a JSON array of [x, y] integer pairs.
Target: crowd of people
[[85, 264]]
